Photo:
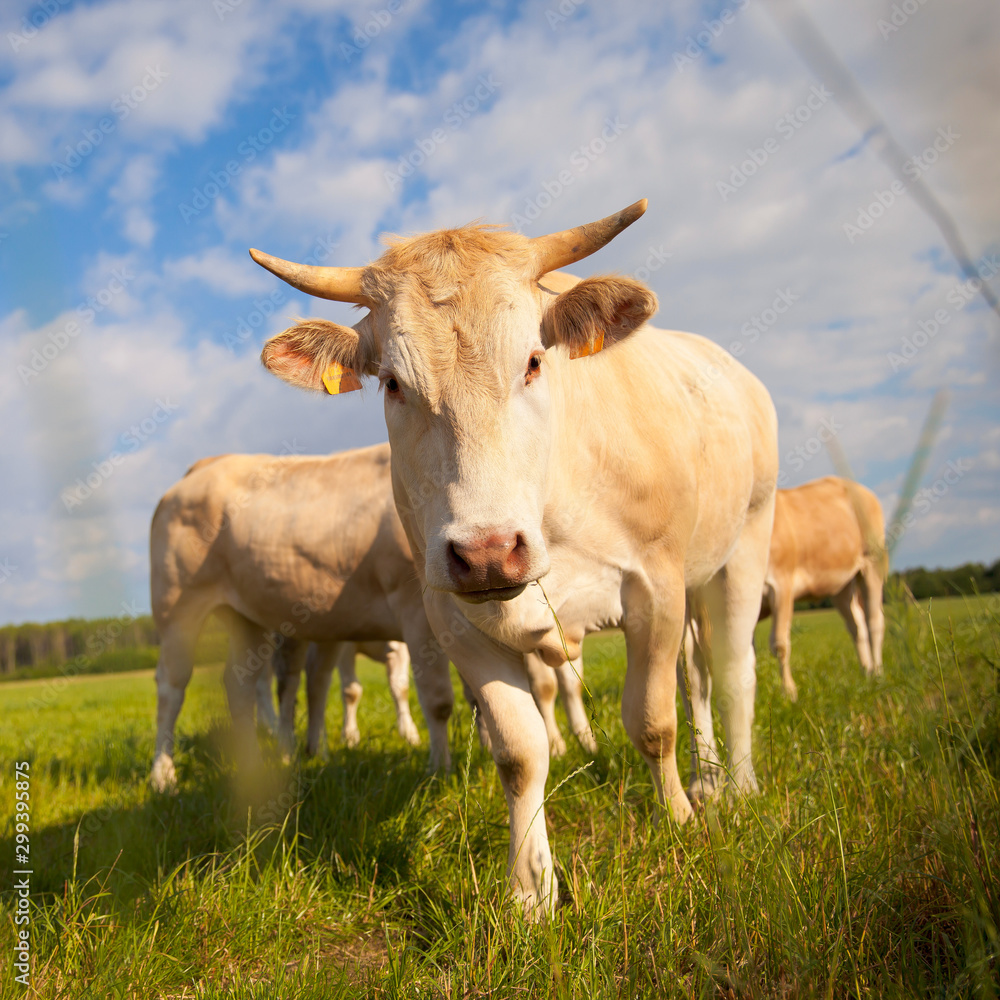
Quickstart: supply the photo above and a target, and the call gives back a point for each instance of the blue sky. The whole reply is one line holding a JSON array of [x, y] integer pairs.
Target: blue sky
[[145, 147]]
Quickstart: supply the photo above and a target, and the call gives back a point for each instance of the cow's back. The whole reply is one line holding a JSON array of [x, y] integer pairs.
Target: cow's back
[[309, 542]]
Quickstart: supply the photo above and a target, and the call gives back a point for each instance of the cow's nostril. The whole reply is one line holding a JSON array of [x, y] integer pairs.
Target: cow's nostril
[[459, 565]]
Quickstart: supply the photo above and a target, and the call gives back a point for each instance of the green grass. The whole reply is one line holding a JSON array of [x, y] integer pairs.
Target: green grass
[[867, 867]]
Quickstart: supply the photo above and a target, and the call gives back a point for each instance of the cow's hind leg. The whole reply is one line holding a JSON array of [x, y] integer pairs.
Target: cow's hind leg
[[543, 690], [848, 603], [350, 692], [654, 627], [871, 595], [397, 672], [320, 660], [732, 600], [696, 696], [173, 671], [287, 662], [783, 606], [569, 676], [266, 715]]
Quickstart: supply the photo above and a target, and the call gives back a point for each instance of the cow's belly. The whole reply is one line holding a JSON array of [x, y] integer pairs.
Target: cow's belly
[[317, 603]]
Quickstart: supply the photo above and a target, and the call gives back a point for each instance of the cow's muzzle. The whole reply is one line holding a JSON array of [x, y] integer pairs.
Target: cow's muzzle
[[495, 568]]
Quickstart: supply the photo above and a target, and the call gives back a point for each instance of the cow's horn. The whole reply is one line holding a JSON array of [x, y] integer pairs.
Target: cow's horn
[[559, 249], [342, 284]]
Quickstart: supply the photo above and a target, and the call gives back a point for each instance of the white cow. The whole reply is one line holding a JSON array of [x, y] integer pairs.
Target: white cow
[[306, 546], [545, 497]]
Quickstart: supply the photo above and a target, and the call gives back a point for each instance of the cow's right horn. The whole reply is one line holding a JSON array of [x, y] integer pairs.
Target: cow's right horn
[[559, 249], [342, 284]]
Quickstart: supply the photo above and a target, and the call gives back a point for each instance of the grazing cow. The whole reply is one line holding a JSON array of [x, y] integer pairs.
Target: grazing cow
[[545, 497], [828, 541], [307, 546]]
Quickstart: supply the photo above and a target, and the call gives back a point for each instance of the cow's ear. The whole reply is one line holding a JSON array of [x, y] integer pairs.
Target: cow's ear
[[596, 313], [317, 354]]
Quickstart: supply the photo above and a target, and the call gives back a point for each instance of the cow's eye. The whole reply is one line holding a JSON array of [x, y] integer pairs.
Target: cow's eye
[[534, 367], [391, 385]]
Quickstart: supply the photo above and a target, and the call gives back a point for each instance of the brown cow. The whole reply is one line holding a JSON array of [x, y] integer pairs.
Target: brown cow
[[828, 541]]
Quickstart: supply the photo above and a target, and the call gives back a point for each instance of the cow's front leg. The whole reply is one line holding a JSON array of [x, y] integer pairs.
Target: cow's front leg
[[287, 662], [397, 672], [654, 626], [499, 682]]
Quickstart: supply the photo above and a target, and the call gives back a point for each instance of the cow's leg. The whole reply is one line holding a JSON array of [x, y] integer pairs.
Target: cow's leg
[[397, 672], [432, 677], [871, 595], [654, 627], [696, 696], [569, 676], [732, 599], [543, 689], [288, 660], [848, 603], [250, 647], [266, 715], [783, 605], [484, 733], [499, 682], [319, 663], [350, 692], [173, 671]]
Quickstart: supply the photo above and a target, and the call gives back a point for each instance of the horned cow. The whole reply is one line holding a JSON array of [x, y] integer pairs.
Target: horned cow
[[558, 466]]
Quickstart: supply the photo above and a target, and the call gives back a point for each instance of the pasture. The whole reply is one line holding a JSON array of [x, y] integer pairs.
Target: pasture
[[868, 866]]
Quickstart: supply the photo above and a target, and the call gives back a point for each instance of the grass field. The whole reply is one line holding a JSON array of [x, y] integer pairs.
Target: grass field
[[868, 867]]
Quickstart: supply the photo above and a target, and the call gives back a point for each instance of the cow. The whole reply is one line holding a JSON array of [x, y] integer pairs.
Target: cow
[[559, 466], [828, 541], [310, 547]]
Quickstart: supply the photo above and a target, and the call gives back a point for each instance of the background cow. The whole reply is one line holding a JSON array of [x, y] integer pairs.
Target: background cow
[[828, 541], [545, 497], [307, 546]]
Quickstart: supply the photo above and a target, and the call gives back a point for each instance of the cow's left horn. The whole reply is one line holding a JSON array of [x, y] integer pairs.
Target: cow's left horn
[[559, 249], [342, 284]]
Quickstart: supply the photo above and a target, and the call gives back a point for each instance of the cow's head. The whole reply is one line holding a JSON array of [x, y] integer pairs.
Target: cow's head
[[459, 330]]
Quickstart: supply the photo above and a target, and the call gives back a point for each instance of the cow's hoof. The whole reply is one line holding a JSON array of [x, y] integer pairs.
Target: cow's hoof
[[163, 778], [587, 741], [352, 737], [408, 730], [557, 747]]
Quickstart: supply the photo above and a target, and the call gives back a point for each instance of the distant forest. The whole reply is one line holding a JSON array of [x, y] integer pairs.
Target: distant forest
[[111, 645]]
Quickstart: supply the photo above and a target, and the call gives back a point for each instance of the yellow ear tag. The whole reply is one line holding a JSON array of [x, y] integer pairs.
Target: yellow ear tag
[[338, 379], [592, 347]]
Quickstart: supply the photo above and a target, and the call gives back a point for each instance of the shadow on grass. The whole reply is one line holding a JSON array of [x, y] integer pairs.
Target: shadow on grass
[[352, 812]]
